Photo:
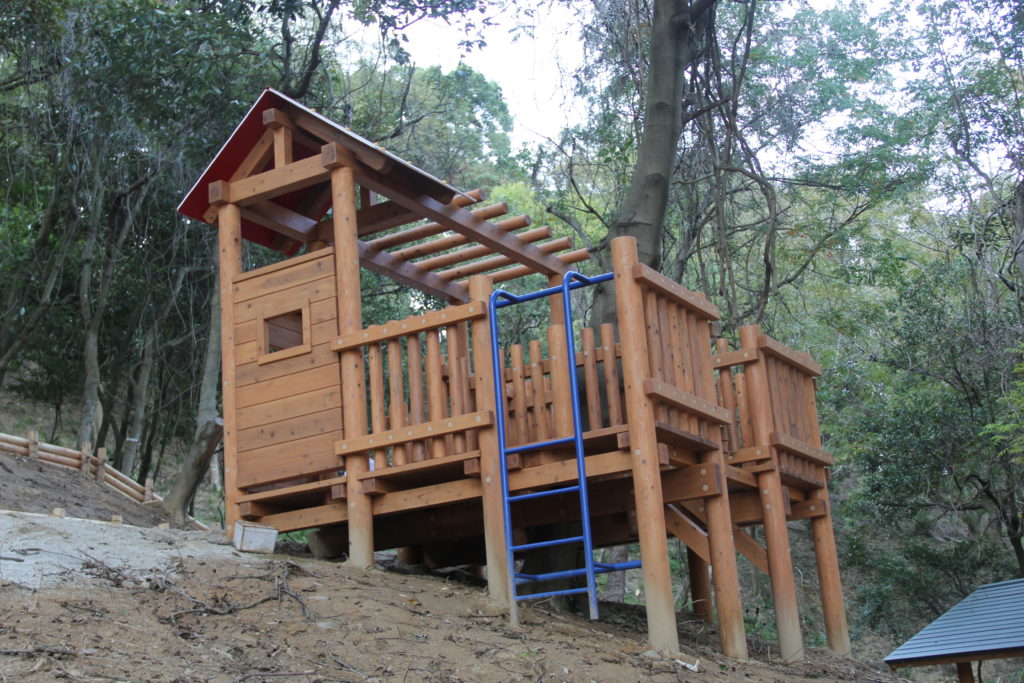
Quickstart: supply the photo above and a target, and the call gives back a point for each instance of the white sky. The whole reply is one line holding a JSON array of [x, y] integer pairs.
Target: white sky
[[534, 68]]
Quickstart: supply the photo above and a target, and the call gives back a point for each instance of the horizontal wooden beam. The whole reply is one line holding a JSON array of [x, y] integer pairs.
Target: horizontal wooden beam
[[690, 483], [795, 446], [479, 250], [731, 358], [684, 400], [395, 437], [410, 274], [294, 176], [802, 361], [694, 301], [808, 509], [749, 454], [414, 325], [501, 261]]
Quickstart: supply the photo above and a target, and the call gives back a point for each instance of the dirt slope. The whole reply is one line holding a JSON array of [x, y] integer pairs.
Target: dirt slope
[[33, 486], [88, 600]]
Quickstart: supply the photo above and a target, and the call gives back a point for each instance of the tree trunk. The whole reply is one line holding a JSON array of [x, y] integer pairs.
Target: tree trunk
[[141, 398], [209, 426], [677, 29]]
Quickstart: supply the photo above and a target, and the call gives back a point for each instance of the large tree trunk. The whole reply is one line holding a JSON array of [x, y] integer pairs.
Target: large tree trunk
[[677, 31], [209, 425]]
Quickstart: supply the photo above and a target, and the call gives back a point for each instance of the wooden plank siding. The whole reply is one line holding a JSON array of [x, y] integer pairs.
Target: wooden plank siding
[[288, 411]]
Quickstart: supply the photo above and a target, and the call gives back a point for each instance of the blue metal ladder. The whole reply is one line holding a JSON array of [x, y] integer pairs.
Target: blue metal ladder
[[500, 299]]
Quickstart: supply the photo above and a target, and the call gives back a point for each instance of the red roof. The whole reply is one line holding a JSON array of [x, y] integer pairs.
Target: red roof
[[248, 132]]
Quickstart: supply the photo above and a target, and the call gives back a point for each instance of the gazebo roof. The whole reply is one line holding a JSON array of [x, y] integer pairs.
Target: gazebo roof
[[281, 182], [987, 624]]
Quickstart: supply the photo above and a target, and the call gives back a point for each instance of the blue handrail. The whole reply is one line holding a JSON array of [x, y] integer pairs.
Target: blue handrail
[[500, 299]]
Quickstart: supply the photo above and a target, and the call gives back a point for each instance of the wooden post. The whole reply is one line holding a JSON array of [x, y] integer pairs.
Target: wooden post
[[555, 300], [700, 586], [827, 558], [773, 505], [148, 491], [101, 464], [964, 673], [353, 401], [229, 223], [498, 580], [658, 597], [86, 455], [33, 444]]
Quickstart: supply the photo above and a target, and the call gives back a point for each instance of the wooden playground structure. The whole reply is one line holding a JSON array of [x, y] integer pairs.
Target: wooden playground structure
[[432, 435]]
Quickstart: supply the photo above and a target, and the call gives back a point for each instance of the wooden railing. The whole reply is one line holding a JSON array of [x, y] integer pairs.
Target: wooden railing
[[93, 466], [680, 376], [537, 386], [420, 398], [787, 414]]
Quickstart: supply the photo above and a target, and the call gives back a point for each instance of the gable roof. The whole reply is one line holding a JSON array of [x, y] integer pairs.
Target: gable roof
[[987, 624], [247, 134], [276, 167]]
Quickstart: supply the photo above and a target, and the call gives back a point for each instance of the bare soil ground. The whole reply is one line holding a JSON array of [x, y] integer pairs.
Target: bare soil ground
[[97, 601]]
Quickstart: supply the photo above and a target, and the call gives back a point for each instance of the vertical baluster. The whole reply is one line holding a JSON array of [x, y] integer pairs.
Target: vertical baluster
[[611, 375], [540, 406], [456, 382], [746, 425], [399, 455], [727, 399], [667, 370], [590, 379], [518, 417], [415, 364], [435, 389], [377, 401], [656, 364]]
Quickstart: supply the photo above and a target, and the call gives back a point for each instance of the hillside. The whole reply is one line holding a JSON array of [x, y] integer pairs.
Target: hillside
[[86, 599]]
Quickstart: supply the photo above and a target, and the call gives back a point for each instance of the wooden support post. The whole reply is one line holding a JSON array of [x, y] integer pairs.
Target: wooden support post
[[822, 533], [147, 494], [658, 597], [964, 674], [555, 300], [350, 319], [769, 485], [700, 586], [498, 580], [229, 224], [33, 444]]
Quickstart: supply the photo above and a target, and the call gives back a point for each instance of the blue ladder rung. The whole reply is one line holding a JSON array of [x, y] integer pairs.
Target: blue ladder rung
[[602, 567], [542, 494], [548, 544], [549, 594], [538, 445], [549, 576]]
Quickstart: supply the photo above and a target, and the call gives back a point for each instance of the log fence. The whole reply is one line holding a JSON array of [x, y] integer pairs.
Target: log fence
[[92, 466]]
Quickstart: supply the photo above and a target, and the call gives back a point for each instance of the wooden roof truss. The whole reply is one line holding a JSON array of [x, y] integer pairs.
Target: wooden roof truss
[[411, 227]]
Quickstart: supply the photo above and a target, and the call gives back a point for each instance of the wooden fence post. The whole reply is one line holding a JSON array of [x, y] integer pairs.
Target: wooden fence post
[[658, 597], [101, 463], [148, 491], [773, 505], [86, 456], [33, 444]]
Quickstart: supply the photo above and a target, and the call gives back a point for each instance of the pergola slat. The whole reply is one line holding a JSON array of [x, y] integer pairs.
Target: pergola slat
[[478, 250], [488, 264], [452, 241], [430, 229]]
